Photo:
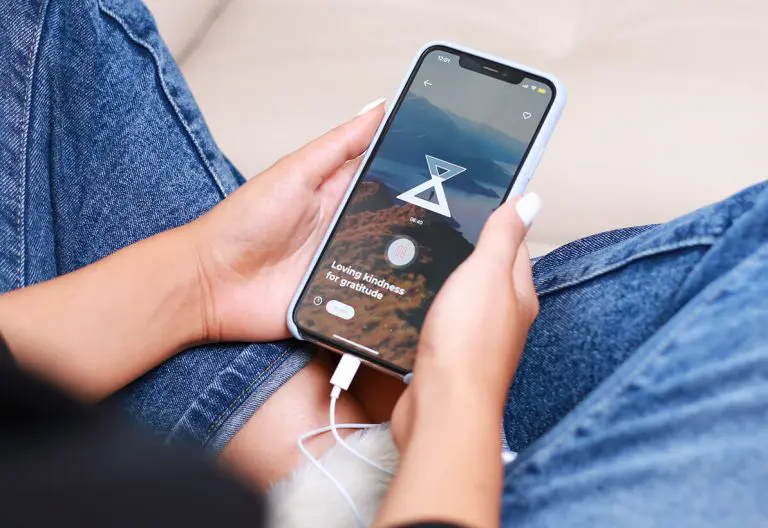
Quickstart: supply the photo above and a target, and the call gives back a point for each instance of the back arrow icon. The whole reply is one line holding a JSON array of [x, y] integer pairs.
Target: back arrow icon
[[427, 83]]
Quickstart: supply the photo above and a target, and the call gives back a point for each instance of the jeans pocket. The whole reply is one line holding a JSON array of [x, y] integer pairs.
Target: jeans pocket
[[553, 273]]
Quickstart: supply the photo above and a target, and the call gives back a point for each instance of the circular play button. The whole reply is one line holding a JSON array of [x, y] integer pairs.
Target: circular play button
[[401, 252]]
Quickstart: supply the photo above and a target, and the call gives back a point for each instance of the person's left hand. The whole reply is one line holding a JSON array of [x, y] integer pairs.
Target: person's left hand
[[253, 248]]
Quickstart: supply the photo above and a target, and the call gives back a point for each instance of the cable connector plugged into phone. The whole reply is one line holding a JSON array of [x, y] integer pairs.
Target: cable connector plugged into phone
[[344, 374], [341, 380]]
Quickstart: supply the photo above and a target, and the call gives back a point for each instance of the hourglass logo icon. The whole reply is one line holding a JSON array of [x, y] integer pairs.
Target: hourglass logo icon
[[439, 172]]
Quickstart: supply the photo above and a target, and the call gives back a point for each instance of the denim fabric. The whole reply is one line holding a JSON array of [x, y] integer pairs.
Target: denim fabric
[[642, 397], [102, 145], [604, 296]]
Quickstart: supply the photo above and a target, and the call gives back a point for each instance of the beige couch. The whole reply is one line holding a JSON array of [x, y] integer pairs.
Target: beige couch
[[667, 107]]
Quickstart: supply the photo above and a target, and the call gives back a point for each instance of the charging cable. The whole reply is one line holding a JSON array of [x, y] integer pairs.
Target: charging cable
[[341, 380]]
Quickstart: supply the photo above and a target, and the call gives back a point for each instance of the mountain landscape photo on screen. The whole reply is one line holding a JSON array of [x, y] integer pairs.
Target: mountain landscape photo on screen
[[489, 156]]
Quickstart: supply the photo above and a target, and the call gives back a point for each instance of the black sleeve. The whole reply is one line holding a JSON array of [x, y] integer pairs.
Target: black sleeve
[[63, 464]]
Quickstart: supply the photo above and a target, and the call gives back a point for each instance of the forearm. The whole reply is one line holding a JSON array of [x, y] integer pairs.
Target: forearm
[[451, 469], [96, 329]]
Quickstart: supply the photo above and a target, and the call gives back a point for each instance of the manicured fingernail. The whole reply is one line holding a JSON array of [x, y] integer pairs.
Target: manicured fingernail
[[528, 207], [370, 106]]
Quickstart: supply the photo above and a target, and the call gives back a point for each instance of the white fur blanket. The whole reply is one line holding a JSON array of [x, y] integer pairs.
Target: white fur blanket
[[306, 498]]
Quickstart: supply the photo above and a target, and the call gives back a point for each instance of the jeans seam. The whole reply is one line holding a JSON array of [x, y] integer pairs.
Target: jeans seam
[[250, 403], [700, 241], [21, 279], [158, 65], [218, 420], [541, 453], [237, 401]]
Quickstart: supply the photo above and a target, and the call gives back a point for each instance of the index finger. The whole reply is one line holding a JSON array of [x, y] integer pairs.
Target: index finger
[[323, 156]]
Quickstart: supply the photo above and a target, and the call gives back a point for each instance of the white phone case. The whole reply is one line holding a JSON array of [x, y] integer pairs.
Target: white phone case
[[524, 176]]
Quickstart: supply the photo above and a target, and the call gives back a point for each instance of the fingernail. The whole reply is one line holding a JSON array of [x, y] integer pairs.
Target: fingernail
[[528, 207], [370, 106]]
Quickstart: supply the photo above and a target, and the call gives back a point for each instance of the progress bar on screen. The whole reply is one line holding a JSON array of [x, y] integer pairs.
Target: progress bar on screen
[[357, 345]]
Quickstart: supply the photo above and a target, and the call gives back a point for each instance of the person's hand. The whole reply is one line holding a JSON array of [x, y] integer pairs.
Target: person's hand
[[476, 329], [446, 424], [253, 248]]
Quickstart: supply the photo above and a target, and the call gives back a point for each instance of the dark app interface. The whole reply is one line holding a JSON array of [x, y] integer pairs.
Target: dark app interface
[[445, 163]]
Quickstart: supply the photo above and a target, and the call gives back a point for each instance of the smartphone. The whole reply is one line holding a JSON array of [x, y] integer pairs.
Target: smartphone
[[464, 132]]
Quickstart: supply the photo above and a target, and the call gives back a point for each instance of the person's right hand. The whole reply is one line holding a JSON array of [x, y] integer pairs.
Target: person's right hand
[[253, 248], [476, 329]]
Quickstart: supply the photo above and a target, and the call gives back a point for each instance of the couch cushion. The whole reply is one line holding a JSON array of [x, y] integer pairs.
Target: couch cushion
[[181, 21], [666, 109]]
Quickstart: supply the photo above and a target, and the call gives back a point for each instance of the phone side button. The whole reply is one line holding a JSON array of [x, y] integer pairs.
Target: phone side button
[[339, 309]]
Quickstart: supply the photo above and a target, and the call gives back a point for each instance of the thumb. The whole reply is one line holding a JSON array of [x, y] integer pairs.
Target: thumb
[[506, 228]]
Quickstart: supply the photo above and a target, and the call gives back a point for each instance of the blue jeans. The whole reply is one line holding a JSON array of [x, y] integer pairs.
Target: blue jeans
[[102, 145], [641, 398]]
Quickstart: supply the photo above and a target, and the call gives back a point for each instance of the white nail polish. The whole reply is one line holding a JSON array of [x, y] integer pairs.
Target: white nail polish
[[528, 207], [371, 105]]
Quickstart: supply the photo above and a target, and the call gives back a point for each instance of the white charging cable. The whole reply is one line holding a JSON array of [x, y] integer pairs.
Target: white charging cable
[[339, 440], [341, 380]]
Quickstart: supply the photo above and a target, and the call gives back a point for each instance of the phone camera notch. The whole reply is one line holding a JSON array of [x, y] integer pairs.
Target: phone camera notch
[[492, 69]]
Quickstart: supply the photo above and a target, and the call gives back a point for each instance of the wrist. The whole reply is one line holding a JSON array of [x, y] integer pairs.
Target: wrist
[[449, 385], [441, 404], [450, 458], [100, 327], [181, 296]]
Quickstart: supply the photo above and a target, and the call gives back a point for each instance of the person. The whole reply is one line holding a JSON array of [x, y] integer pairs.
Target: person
[[142, 269]]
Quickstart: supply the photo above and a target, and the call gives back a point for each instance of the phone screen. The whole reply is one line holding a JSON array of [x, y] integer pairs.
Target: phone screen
[[446, 159]]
